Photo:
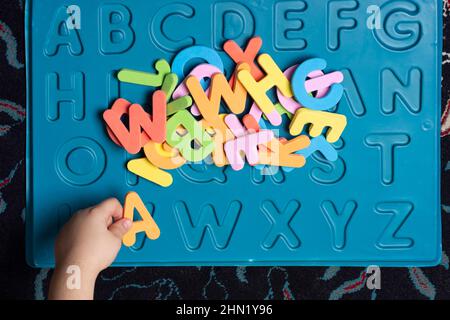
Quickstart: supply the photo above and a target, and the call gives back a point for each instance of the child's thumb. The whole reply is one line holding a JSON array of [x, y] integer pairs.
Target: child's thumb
[[120, 228]]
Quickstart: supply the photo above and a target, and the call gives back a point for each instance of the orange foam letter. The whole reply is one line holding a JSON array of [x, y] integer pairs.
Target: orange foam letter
[[258, 89], [165, 159], [282, 154], [147, 224], [142, 126], [248, 56], [234, 98]]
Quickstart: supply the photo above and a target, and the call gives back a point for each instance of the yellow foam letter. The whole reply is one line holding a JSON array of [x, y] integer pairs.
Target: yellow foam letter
[[319, 120], [143, 168], [274, 78], [283, 153], [219, 89], [220, 134], [147, 224], [165, 159]]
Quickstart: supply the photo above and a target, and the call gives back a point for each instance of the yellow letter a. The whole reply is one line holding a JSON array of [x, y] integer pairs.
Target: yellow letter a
[[147, 224]]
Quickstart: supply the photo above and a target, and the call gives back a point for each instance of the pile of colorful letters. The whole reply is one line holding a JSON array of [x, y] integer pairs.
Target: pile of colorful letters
[[186, 123]]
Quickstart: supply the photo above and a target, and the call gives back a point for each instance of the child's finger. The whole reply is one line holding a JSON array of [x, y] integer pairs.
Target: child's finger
[[120, 228], [110, 208]]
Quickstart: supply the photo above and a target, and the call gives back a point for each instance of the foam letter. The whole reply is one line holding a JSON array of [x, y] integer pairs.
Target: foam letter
[[247, 144], [274, 78], [319, 120], [164, 159], [147, 224], [195, 52], [145, 78], [321, 145], [290, 104], [194, 133], [302, 89], [284, 154], [248, 56], [234, 98], [143, 127], [220, 135], [168, 86]]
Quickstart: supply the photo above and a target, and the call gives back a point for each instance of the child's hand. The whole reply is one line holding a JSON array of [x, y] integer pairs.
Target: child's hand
[[90, 241]]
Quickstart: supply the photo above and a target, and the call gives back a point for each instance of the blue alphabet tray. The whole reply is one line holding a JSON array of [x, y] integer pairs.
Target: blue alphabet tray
[[379, 203]]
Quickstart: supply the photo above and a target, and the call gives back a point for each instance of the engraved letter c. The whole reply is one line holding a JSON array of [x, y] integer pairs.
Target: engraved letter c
[[158, 27]]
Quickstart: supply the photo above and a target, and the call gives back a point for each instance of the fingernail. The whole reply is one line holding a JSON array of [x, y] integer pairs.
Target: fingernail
[[127, 223]]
